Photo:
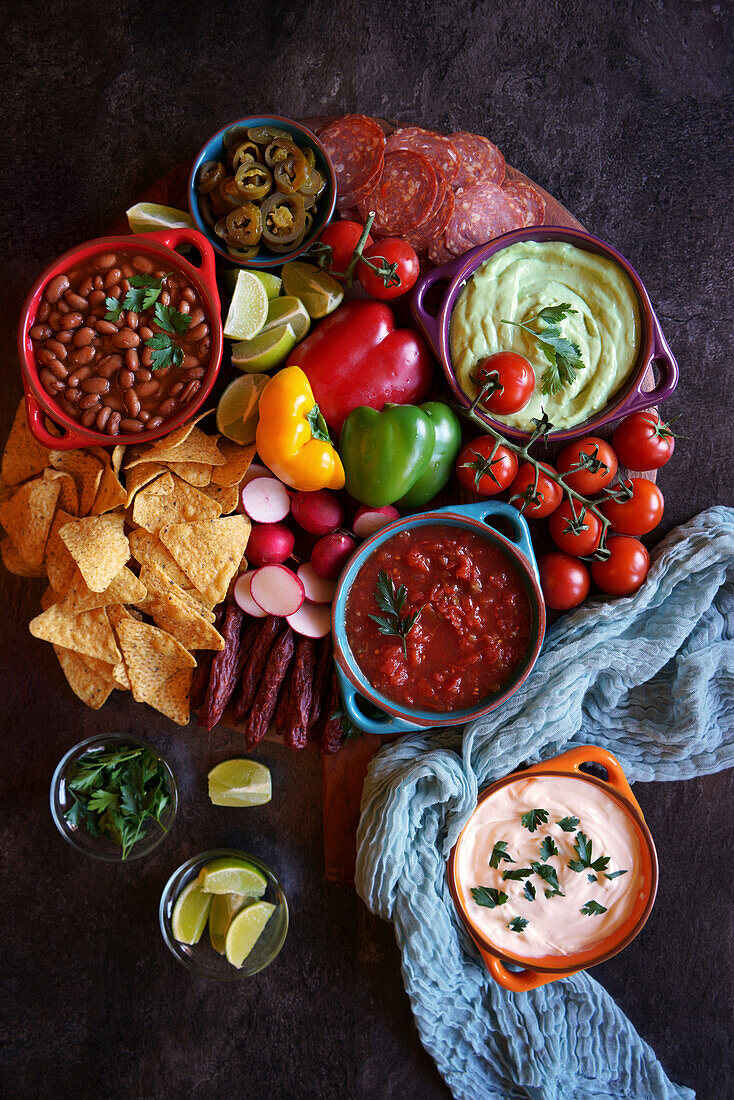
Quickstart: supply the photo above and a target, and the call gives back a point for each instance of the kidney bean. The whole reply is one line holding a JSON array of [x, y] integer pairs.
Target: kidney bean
[[193, 373], [73, 395], [82, 356], [69, 409], [164, 298], [107, 366], [143, 416], [155, 422], [160, 273], [62, 306], [197, 316], [204, 349], [43, 311], [144, 332], [102, 417], [184, 307], [124, 286], [65, 337], [86, 286], [76, 301], [113, 424], [176, 389], [89, 401], [72, 320], [130, 425], [132, 360], [106, 328], [97, 282], [96, 298], [147, 389], [189, 294], [125, 379], [146, 357], [200, 332], [58, 349], [88, 417], [40, 332], [132, 319], [127, 270], [114, 291], [144, 265], [189, 391], [58, 369], [113, 401], [125, 338], [168, 406], [104, 260], [96, 385], [79, 375], [50, 384], [43, 355], [146, 375], [83, 337], [132, 402], [56, 288]]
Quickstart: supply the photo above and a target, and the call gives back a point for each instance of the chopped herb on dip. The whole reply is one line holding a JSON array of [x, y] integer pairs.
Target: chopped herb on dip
[[488, 896], [518, 924], [499, 853], [533, 819], [592, 909]]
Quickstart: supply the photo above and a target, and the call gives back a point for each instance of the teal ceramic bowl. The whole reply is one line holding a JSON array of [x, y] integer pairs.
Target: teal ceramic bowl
[[214, 149], [368, 708]]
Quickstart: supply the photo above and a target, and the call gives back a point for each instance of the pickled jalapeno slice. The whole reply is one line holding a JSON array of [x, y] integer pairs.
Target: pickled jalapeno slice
[[279, 149], [210, 175], [313, 184], [291, 173], [284, 218], [244, 226], [247, 151], [253, 181], [263, 135]]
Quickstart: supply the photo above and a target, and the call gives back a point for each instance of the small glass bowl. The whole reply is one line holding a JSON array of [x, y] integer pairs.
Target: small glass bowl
[[96, 846], [201, 958]]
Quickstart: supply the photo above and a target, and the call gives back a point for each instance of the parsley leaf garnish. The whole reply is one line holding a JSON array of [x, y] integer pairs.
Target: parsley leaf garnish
[[529, 891], [548, 848], [533, 819], [563, 355], [488, 896], [165, 352], [518, 924], [170, 319], [614, 874], [114, 309], [391, 601], [143, 292], [568, 824], [583, 848], [517, 874], [548, 874], [592, 908], [592, 878], [499, 853]]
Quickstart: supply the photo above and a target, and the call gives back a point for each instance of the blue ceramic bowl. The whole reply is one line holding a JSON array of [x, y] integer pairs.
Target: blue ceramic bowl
[[357, 690], [215, 150]]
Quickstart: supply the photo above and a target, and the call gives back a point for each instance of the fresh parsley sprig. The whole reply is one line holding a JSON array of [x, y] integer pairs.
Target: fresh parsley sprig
[[563, 354], [592, 908], [518, 924], [499, 852], [548, 874], [142, 293], [533, 819], [569, 824], [391, 600], [583, 847], [488, 896], [548, 848]]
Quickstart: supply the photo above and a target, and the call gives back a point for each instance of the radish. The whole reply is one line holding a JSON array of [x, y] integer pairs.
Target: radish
[[368, 520], [269, 544], [311, 619], [266, 500], [243, 597], [331, 554], [319, 512], [316, 588], [254, 470], [277, 590]]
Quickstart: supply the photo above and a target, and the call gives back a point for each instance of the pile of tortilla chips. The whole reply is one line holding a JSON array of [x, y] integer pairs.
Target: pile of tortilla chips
[[138, 545]]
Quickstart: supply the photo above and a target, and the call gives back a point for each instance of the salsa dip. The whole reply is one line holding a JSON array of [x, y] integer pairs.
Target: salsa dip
[[514, 285]]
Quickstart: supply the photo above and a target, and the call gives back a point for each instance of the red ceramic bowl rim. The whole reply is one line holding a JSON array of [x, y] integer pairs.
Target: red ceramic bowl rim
[[138, 242]]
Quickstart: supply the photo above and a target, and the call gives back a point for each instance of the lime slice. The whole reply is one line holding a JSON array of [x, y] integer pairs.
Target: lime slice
[[230, 875], [190, 912], [224, 908], [248, 309], [240, 782], [319, 293], [288, 311], [147, 216], [237, 411], [267, 350], [245, 930], [271, 283]]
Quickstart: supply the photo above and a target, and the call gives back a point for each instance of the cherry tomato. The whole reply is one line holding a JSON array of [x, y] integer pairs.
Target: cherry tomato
[[393, 251], [482, 474], [588, 481], [580, 543], [515, 380], [625, 569], [342, 237], [641, 513], [643, 441], [549, 493], [565, 580]]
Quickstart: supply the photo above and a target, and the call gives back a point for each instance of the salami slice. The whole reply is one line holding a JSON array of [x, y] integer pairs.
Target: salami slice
[[481, 213], [356, 146], [437, 147], [405, 196], [439, 253], [528, 199], [434, 228], [479, 160]]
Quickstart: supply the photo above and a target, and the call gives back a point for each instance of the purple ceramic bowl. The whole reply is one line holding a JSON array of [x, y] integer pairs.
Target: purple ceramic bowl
[[654, 350]]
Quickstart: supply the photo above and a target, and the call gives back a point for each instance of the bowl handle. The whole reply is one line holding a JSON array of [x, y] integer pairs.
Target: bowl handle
[[380, 726], [68, 441], [484, 508], [427, 323], [665, 361], [172, 238], [520, 981], [572, 760]]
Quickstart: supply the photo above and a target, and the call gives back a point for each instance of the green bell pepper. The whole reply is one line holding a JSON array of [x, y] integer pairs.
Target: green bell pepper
[[446, 446], [384, 453]]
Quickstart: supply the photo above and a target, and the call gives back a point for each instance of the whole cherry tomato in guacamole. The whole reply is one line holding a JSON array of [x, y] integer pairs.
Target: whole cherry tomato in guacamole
[[342, 238], [601, 465], [574, 530], [640, 512], [565, 580], [643, 441], [390, 250], [547, 494], [625, 569], [513, 377], [482, 472]]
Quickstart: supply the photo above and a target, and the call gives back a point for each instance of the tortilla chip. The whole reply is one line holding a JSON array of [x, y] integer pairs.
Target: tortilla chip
[[170, 500], [226, 496], [124, 588], [146, 547], [195, 473], [139, 477], [160, 587], [23, 456], [48, 599], [14, 562], [208, 551], [68, 495], [99, 546], [86, 471], [153, 657], [173, 697], [89, 632], [180, 435], [238, 461], [172, 609], [28, 515], [60, 566], [196, 446], [86, 677], [111, 493]]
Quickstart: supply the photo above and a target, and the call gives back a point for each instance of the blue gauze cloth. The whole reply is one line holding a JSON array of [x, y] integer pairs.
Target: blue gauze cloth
[[651, 678]]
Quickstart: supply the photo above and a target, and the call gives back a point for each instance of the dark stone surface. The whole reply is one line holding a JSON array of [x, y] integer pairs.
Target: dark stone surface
[[620, 110]]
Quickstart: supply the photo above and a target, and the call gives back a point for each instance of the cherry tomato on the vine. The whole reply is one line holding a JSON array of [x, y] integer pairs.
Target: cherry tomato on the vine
[[625, 569], [515, 380], [643, 441], [478, 471], [640, 513], [602, 465], [342, 238], [548, 493], [393, 251], [572, 534], [565, 580]]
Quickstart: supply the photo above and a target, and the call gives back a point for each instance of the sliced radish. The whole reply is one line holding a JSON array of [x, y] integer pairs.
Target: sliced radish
[[317, 589], [254, 470], [266, 500], [311, 619], [269, 544], [243, 597], [331, 554], [368, 520], [277, 590], [318, 513]]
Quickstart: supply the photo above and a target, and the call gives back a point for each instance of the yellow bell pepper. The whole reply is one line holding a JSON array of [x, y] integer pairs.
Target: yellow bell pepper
[[292, 438]]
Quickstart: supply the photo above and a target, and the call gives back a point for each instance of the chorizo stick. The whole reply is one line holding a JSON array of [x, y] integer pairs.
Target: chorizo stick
[[266, 699], [223, 673], [254, 666], [204, 658], [281, 718], [302, 693], [333, 732], [320, 681]]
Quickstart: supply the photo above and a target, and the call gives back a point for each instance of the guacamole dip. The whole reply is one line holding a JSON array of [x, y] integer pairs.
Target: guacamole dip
[[519, 281]]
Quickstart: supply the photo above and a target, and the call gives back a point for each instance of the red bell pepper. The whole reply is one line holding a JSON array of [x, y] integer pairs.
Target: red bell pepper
[[356, 356]]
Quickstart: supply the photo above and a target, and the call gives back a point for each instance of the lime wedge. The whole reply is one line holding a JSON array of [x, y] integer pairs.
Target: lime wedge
[[230, 875], [267, 350], [145, 217], [224, 908], [288, 311], [190, 912], [237, 411], [248, 309], [245, 930], [240, 782], [319, 292], [271, 283]]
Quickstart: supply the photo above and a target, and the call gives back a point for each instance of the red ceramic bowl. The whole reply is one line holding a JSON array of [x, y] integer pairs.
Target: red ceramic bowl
[[160, 246]]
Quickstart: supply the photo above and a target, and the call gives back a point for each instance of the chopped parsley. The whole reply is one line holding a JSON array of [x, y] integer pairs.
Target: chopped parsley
[[548, 874], [569, 824], [592, 908], [518, 924], [533, 819], [529, 891], [499, 852], [583, 847], [517, 874], [548, 848], [614, 874], [488, 896]]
